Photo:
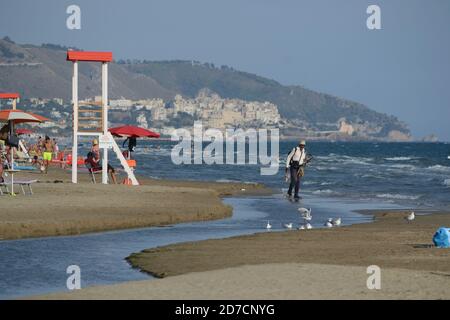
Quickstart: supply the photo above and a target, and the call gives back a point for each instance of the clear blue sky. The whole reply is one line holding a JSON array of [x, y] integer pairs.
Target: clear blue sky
[[403, 69]]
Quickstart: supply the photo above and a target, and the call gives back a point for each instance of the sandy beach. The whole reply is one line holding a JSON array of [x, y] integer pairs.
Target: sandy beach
[[59, 207], [316, 264], [293, 281]]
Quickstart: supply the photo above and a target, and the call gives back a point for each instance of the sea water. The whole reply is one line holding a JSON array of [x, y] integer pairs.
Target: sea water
[[342, 179], [408, 174]]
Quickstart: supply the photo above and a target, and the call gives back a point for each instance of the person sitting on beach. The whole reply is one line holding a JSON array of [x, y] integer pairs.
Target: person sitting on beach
[[93, 161], [35, 153]]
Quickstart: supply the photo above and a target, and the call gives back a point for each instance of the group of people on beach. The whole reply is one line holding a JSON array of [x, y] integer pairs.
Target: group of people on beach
[[45, 150], [41, 153]]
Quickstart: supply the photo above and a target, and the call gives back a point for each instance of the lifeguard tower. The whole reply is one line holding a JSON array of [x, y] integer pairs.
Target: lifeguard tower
[[10, 96], [92, 119]]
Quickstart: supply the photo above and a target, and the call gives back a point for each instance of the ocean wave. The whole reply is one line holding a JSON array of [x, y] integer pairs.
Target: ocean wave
[[325, 191], [308, 183], [344, 159], [322, 168], [367, 176], [402, 166], [399, 158], [439, 168], [446, 182], [357, 161], [397, 196]]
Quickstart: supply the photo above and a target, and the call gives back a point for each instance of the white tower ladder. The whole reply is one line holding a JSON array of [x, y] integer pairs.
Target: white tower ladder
[[123, 161]]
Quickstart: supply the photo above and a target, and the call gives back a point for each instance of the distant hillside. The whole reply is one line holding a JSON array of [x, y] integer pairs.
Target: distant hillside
[[42, 71], [294, 102]]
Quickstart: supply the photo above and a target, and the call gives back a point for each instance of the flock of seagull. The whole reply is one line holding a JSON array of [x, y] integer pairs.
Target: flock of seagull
[[307, 217], [330, 223]]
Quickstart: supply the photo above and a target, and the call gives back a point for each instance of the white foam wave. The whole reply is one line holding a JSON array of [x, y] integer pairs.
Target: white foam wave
[[322, 168], [365, 176], [398, 196], [325, 191], [439, 168], [446, 182], [402, 166], [398, 159], [332, 157]]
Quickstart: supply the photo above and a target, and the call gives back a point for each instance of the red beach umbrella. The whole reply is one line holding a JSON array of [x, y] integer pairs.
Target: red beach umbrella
[[23, 131], [133, 132]]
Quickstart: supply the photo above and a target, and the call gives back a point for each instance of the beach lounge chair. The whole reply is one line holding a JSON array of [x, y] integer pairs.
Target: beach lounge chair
[[21, 183], [20, 156], [92, 166], [4, 186], [25, 183], [93, 171]]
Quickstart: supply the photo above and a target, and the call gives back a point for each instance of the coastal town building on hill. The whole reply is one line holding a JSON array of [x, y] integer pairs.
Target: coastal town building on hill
[[214, 112]]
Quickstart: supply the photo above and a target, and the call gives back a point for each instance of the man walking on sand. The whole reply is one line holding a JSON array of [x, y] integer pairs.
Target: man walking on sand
[[295, 161]]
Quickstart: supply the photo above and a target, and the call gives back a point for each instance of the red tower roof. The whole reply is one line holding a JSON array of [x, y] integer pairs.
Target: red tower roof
[[89, 56]]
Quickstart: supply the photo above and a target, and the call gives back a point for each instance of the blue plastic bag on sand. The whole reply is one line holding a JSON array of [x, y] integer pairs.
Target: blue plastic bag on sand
[[441, 238]]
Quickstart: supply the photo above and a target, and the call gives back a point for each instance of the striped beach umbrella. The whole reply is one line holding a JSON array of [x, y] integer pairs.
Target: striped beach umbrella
[[19, 116]]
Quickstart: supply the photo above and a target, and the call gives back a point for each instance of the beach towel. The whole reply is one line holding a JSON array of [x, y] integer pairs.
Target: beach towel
[[441, 238]]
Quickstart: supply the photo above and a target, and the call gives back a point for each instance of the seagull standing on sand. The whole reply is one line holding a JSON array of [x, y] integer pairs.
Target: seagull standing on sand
[[268, 226], [410, 217], [308, 226], [337, 222], [302, 227], [288, 225], [329, 223]]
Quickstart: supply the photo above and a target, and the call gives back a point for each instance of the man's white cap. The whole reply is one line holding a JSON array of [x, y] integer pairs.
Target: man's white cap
[[302, 143]]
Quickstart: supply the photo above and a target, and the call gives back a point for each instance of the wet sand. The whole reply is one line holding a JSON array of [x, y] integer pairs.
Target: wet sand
[[59, 207], [389, 242], [313, 264]]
